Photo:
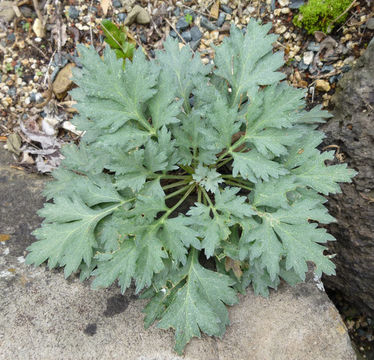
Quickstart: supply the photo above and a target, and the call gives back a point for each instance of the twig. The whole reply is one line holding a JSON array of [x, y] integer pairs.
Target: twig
[[38, 13], [173, 27], [49, 95], [200, 12]]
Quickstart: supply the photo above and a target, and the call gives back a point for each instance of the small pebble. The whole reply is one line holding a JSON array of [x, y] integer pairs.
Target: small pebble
[[196, 33], [122, 16], [281, 29], [226, 9], [11, 37], [12, 91], [221, 19], [204, 22], [116, 3], [143, 38], [346, 68], [177, 12], [327, 68], [194, 45], [308, 57], [186, 36], [182, 24], [302, 66], [313, 46], [173, 34], [296, 4], [370, 24], [322, 85], [73, 12], [283, 3]]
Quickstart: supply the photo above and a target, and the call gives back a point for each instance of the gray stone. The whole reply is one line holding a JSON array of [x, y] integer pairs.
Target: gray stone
[[204, 22], [352, 128], [226, 9], [221, 19], [6, 11], [116, 3], [173, 34], [122, 16], [73, 12], [194, 45], [370, 24], [138, 15], [313, 46], [182, 24], [296, 4], [44, 316], [196, 33], [186, 36]]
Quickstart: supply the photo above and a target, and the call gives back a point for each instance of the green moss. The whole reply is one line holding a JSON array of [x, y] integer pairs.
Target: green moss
[[318, 15]]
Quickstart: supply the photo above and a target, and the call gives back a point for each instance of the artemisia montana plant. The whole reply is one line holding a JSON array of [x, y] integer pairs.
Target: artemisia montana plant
[[194, 181]]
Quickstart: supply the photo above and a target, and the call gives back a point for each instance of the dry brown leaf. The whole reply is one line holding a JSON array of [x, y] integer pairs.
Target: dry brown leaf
[[233, 265], [214, 10], [105, 5]]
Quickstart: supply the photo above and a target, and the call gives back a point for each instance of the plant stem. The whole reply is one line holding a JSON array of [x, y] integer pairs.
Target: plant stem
[[232, 147], [208, 199], [187, 169], [178, 183], [161, 176], [238, 185], [168, 212], [224, 162], [198, 195], [176, 192]]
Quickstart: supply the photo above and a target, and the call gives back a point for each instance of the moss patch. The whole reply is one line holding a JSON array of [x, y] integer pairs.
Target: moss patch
[[318, 15]]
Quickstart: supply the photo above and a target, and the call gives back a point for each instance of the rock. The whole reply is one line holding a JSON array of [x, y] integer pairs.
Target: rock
[[205, 23], [143, 38], [138, 15], [308, 57], [73, 12], [313, 46], [302, 66], [122, 16], [42, 313], [322, 85], [370, 24], [26, 11], [6, 11], [116, 3], [190, 13], [196, 33], [194, 44], [186, 36], [221, 19], [182, 24], [327, 68], [214, 10], [283, 3], [281, 29], [296, 4], [173, 34], [226, 9], [352, 127], [14, 143], [38, 28], [63, 82]]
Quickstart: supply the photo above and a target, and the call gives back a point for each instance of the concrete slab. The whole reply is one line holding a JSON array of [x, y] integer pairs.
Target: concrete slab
[[44, 316]]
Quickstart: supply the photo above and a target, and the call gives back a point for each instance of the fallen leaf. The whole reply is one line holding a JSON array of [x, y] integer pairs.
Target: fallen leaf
[[105, 5], [4, 237], [214, 10], [13, 143], [233, 265]]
